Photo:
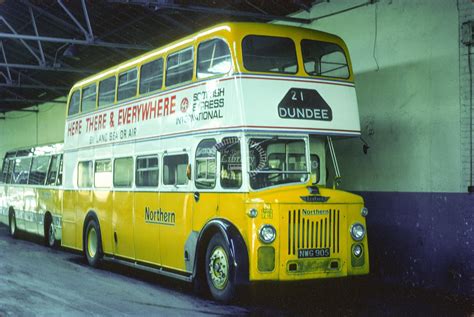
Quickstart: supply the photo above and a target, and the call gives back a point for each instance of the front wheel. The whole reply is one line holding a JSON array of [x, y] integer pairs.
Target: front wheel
[[12, 225], [92, 243], [220, 269]]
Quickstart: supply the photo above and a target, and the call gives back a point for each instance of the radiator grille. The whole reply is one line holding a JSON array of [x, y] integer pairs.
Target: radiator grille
[[313, 231]]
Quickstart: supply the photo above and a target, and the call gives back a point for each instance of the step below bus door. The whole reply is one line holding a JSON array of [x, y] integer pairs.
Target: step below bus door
[[123, 224], [206, 207]]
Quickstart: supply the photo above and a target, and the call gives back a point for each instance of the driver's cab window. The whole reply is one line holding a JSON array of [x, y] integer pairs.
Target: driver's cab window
[[276, 161]]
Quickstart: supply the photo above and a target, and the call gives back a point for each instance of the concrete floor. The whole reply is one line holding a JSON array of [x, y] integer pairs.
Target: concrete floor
[[35, 280]]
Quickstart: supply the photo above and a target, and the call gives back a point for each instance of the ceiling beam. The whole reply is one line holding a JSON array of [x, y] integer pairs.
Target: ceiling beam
[[29, 86], [202, 9], [33, 80], [32, 101], [3, 109], [49, 68], [26, 37], [52, 17]]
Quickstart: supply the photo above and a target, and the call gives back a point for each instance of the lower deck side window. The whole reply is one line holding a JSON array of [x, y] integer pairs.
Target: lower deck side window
[[147, 171], [84, 174], [174, 169], [123, 172]]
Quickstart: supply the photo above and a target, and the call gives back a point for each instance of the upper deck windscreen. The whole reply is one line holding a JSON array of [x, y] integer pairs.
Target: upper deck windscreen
[[278, 55], [324, 59], [269, 54]]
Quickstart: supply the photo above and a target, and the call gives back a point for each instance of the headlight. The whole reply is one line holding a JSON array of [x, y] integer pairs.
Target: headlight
[[357, 231], [364, 212], [357, 250], [267, 234]]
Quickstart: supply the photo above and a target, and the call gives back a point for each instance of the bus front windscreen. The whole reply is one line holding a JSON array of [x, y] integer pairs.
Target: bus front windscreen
[[275, 161]]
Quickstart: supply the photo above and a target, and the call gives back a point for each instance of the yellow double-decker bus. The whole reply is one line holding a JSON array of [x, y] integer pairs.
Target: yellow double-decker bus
[[208, 160]]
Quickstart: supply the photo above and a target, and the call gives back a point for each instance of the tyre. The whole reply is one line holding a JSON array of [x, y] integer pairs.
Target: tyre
[[220, 269], [12, 225], [49, 233], [93, 243]]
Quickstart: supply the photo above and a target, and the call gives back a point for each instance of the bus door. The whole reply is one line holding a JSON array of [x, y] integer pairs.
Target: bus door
[[173, 214], [206, 200], [123, 208], [17, 198], [147, 197]]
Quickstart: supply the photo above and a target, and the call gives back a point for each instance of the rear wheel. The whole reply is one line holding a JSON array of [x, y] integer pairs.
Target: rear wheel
[[50, 233], [220, 270], [92, 243], [12, 225]]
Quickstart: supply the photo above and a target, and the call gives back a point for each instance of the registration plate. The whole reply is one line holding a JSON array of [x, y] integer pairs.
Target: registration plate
[[314, 253]]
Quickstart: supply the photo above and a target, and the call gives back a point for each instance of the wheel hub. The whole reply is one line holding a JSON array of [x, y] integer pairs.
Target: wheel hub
[[12, 225], [51, 234], [92, 242], [219, 268]]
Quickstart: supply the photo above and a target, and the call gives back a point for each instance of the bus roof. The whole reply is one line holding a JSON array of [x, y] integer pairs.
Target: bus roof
[[233, 31]]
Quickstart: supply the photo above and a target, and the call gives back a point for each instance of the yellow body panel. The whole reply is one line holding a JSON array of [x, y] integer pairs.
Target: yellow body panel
[[146, 236], [164, 244]]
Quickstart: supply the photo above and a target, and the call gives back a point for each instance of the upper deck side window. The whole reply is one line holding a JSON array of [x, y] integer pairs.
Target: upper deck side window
[[269, 54], [151, 76], [213, 58], [89, 94], [107, 92], [127, 85], [179, 67], [74, 103], [324, 59]]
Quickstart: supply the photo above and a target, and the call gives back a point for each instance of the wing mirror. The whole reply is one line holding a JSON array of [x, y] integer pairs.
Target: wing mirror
[[188, 171]]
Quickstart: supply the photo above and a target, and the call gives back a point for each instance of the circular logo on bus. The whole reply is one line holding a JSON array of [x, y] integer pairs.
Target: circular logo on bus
[[184, 105]]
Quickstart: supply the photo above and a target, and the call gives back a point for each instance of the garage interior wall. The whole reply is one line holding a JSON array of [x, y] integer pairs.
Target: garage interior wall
[[21, 129], [412, 83]]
